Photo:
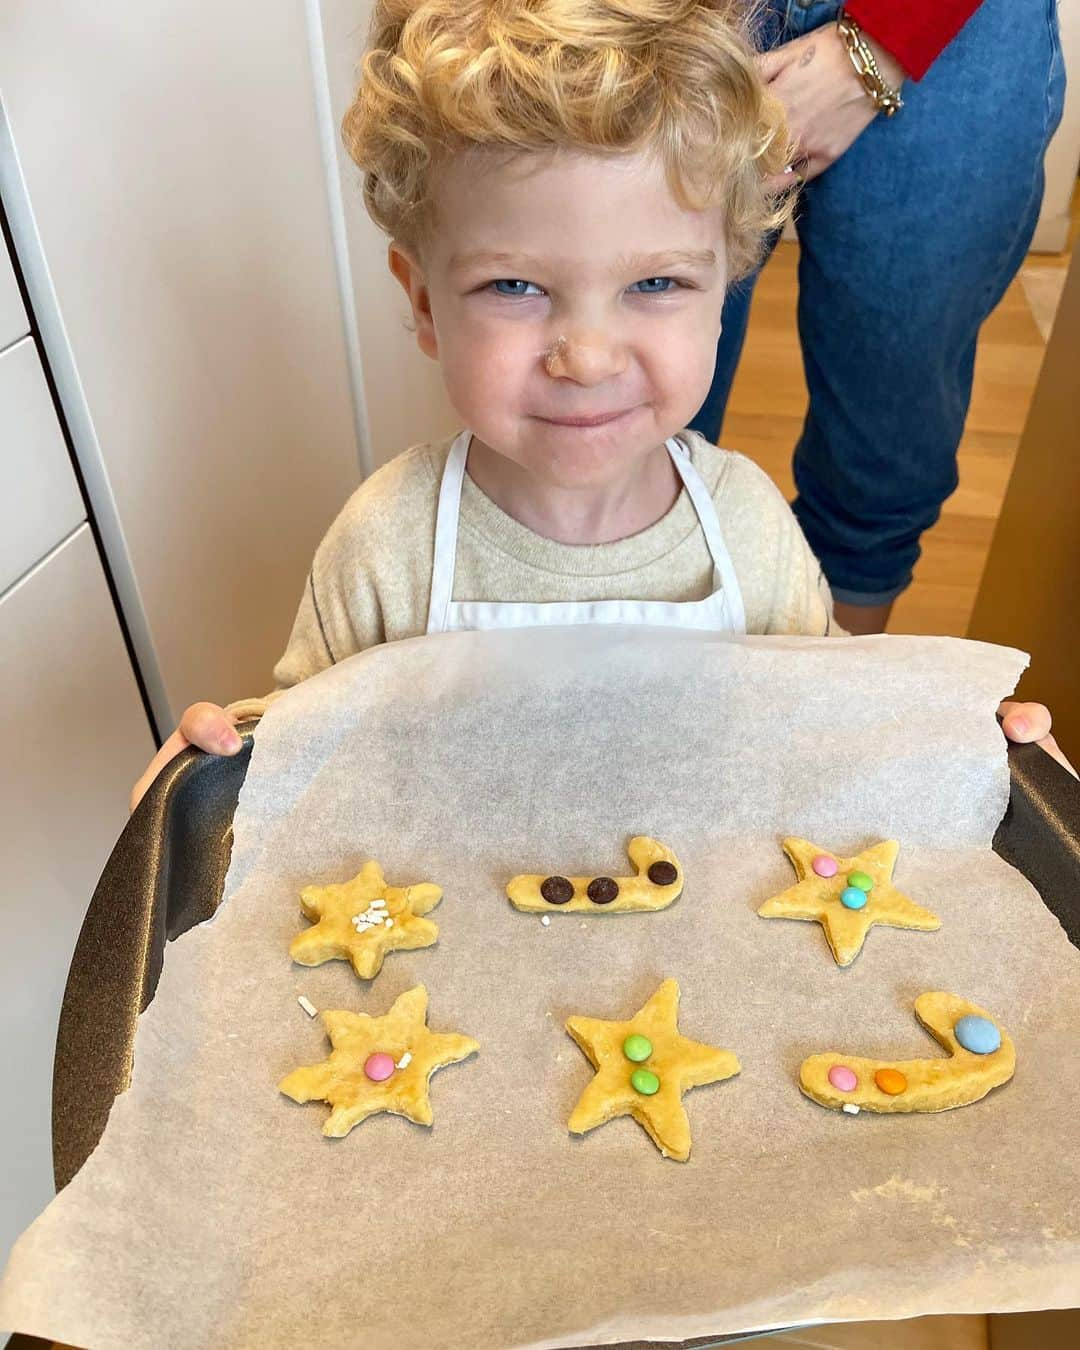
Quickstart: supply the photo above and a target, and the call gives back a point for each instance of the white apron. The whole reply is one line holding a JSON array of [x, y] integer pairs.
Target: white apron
[[721, 611]]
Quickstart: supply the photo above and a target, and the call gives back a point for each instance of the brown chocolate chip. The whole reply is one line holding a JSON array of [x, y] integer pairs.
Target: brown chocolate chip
[[663, 873], [603, 890], [556, 890]]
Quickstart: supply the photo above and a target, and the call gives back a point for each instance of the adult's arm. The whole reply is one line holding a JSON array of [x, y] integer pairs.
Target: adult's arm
[[916, 32]]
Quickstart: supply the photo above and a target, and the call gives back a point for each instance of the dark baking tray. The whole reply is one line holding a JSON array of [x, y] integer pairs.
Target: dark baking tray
[[167, 872]]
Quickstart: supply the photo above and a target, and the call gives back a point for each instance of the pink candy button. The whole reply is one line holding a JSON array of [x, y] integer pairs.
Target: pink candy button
[[824, 866], [379, 1066], [842, 1078]]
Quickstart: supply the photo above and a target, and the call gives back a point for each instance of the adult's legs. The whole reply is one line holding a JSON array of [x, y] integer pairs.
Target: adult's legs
[[733, 323], [907, 244]]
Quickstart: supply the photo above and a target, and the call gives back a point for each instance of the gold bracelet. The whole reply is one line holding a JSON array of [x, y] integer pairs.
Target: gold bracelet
[[885, 98]]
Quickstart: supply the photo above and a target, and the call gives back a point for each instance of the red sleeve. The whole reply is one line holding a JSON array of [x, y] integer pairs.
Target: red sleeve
[[915, 32]]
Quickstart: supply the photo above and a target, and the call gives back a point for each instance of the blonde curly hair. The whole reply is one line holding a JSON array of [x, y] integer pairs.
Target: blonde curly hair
[[441, 77]]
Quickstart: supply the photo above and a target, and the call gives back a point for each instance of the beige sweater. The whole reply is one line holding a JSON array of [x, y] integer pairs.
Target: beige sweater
[[370, 581]]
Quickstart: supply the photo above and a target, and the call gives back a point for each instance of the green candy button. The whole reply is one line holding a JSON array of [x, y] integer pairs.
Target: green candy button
[[861, 881], [637, 1048], [645, 1082]]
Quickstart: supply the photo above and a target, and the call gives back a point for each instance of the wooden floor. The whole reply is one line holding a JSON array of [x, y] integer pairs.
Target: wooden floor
[[768, 403]]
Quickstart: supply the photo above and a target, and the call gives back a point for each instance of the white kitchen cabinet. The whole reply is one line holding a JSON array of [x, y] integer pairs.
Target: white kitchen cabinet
[[40, 503], [173, 225], [13, 321], [75, 738]]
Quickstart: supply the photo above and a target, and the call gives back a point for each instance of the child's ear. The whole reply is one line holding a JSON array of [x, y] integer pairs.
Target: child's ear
[[408, 271]]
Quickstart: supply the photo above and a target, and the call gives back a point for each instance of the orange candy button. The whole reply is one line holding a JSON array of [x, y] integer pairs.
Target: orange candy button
[[891, 1081]]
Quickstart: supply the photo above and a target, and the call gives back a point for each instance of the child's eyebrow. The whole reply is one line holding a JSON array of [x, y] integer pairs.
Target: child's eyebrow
[[637, 262]]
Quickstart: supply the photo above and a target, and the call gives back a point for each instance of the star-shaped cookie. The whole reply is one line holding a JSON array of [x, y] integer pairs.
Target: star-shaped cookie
[[378, 1064], [825, 879], [359, 921], [643, 1067]]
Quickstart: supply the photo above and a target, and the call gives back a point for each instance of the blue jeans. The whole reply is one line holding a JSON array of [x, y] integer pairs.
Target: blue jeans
[[907, 243]]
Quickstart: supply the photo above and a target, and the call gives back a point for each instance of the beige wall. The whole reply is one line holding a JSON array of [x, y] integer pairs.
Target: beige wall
[[1030, 589], [1063, 153]]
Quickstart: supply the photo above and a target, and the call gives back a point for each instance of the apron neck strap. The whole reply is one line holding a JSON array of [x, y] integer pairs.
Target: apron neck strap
[[446, 529], [449, 511]]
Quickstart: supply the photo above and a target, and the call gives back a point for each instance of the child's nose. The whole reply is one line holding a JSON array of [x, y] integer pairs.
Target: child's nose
[[586, 357]]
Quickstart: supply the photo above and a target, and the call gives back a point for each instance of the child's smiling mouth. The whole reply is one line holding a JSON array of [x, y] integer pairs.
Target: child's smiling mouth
[[597, 420]]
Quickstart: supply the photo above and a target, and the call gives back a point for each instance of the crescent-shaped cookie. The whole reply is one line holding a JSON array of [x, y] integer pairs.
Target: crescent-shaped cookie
[[981, 1057]]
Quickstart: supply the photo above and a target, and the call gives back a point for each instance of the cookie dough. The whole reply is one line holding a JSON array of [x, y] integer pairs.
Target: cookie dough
[[852, 1084], [378, 1064], [847, 896], [657, 883], [643, 1067], [359, 921]]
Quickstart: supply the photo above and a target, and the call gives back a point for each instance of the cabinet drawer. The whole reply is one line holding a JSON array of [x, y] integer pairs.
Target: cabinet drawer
[[13, 320], [39, 498], [75, 738]]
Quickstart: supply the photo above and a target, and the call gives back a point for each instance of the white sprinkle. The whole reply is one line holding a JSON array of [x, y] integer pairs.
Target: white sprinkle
[[377, 904], [389, 923], [307, 1006], [405, 1060], [851, 1108], [546, 920]]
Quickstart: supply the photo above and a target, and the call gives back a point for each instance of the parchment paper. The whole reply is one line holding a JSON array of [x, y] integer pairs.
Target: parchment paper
[[214, 1213]]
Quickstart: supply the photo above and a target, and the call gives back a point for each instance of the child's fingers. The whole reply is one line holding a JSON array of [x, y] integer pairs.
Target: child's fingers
[[203, 724], [210, 728], [1024, 722], [169, 750]]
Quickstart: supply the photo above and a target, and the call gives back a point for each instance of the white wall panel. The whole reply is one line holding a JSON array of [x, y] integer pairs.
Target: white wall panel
[[174, 230], [13, 320], [39, 497]]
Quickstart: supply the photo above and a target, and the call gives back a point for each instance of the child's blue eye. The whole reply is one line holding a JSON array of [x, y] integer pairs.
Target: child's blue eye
[[518, 289], [505, 281]]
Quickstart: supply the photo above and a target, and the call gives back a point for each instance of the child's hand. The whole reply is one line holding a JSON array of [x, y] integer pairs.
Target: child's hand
[[1031, 722], [203, 724]]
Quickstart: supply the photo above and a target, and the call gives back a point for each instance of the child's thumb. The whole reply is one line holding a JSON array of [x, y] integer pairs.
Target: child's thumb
[[210, 728]]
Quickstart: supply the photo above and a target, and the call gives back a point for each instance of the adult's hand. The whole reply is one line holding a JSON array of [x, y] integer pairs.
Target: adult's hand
[[826, 104]]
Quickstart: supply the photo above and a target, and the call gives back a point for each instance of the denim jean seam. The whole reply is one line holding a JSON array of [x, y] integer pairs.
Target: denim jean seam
[[1053, 29]]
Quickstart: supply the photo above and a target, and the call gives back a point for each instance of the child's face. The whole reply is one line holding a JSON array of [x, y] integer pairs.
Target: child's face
[[587, 243]]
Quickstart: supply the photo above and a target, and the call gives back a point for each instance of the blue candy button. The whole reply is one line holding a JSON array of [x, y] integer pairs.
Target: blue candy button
[[852, 898], [978, 1034]]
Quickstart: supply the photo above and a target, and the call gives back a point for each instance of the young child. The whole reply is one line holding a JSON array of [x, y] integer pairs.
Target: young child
[[569, 188]]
